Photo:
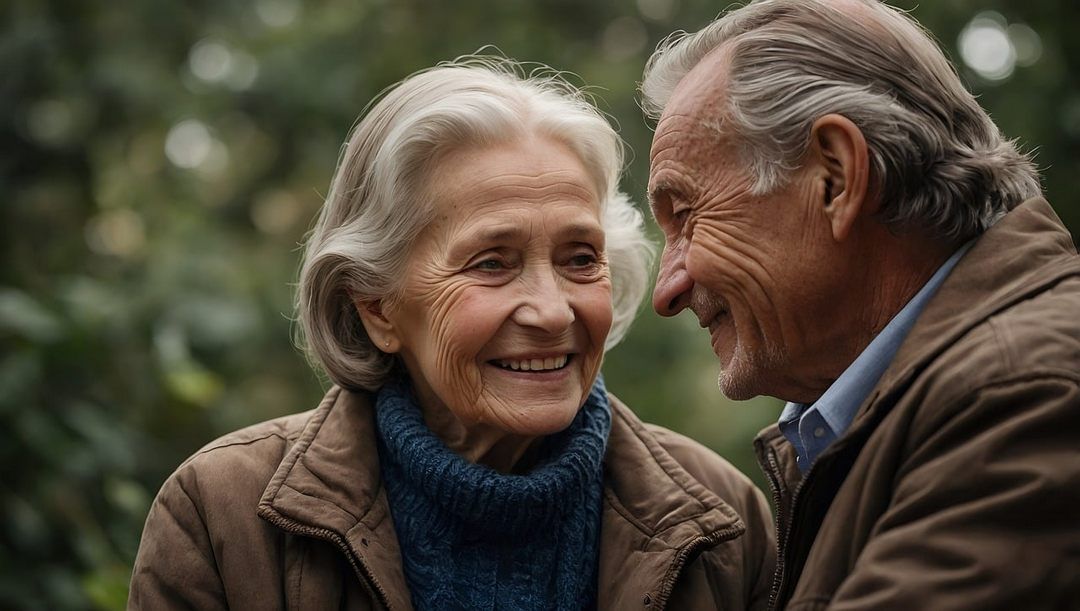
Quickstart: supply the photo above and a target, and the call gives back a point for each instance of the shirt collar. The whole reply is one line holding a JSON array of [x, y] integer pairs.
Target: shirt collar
[[811, 428]]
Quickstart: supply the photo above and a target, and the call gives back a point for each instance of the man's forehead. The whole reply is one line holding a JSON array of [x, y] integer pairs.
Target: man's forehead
[[695, 110], [700, 94]]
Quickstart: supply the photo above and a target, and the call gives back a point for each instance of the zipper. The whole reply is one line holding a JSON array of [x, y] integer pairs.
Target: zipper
[[784, 540], [784, 537], [774, 484], [680, 559], [361, 570], [853, 438]]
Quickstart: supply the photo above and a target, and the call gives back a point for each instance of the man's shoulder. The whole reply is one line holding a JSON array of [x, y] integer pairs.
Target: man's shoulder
[[1043, 331], [1038, 337], [1029, 351]]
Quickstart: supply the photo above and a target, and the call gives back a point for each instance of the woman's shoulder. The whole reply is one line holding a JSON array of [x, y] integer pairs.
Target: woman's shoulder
[[203, 522], [704, 465], [708, 467], [269, 439], [236, 467]]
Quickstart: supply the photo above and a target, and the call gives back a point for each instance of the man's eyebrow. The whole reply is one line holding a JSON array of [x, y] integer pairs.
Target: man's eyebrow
[[659, 190], [655, 191]]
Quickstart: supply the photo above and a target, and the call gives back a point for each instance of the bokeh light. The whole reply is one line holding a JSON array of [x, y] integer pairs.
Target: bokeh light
[[659, 11], [277, 13], [1026, 42], [623, 38], [118, 232], [213, 61], [188, 144], [985, 47], [994, 48]]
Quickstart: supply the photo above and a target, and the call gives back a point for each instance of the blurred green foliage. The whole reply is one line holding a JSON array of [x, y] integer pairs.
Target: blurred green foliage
[[160, 164]]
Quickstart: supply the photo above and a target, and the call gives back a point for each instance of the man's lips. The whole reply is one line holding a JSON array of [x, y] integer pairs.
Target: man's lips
[[711, 318]]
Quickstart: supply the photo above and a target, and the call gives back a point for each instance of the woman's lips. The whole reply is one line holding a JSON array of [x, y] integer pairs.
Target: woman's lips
[[545, 363]]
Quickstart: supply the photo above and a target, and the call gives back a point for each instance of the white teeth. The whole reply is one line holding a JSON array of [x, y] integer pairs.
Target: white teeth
[[546, 364]]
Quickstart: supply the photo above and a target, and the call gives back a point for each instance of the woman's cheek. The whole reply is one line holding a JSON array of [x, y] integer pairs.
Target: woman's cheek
[[600, 308]]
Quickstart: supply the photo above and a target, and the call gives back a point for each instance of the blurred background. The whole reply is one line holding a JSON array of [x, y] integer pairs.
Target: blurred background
[[161, 161]]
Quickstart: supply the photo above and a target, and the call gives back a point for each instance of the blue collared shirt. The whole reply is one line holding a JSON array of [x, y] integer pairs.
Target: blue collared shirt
[[811, 428]]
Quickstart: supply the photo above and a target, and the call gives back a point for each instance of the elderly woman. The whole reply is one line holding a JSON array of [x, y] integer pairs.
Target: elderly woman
[[472, 263]]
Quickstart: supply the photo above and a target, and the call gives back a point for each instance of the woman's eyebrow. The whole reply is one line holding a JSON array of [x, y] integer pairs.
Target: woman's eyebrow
[[582, 231], [505, 233]]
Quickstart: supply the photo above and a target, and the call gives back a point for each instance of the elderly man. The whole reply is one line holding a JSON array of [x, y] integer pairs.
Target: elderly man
[[859, 240]]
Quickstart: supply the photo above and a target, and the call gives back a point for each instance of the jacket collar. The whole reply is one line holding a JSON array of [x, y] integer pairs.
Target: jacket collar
[[1022, 255], [655, 513], [328, 486]]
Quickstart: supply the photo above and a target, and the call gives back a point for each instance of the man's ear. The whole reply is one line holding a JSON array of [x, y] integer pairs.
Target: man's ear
[[838, 148], [379, 328]]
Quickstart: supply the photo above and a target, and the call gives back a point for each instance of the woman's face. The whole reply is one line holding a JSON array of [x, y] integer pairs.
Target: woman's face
[[507, 299]]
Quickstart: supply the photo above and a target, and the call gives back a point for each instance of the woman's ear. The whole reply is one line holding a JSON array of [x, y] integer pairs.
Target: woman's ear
[[379, 328], [837, 145]]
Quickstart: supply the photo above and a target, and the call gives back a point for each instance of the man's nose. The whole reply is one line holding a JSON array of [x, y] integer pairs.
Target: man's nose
[[671, 294]]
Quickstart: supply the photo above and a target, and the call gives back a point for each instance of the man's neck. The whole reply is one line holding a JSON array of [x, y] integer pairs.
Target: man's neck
[[885, 272]]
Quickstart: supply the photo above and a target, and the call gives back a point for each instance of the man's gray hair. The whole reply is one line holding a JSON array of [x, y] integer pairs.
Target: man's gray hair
[[379, 198], [938, 162]]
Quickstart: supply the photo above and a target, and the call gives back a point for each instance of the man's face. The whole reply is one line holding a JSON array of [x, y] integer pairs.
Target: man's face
[[746, 265]]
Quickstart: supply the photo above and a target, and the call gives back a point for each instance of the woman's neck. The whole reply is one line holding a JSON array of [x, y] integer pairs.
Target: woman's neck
[[482, 443]]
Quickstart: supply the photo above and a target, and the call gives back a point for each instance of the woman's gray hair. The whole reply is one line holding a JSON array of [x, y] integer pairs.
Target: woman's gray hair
[[938, 162], [378, 202]]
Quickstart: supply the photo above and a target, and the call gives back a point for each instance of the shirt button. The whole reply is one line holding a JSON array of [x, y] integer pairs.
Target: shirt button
[[819, 432]]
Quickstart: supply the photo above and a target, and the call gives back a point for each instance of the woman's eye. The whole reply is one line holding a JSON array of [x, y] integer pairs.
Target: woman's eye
[[489, 265], [583, 263], [582, 260]]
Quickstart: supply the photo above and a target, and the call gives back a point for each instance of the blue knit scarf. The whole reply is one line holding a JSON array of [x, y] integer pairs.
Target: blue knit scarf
[[474, 538]]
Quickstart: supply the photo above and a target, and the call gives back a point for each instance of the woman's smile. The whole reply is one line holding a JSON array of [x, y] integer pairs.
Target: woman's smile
[[506, 305], [535, 364]]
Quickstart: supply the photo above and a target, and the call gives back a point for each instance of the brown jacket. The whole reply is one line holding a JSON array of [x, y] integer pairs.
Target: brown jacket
[[958, 484], [291, 514]]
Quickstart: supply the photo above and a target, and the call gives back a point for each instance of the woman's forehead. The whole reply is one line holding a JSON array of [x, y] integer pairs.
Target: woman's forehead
[[482, 181]]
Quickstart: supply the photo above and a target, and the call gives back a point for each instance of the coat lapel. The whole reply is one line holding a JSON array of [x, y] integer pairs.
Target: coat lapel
[[655, 517], [329, 487]]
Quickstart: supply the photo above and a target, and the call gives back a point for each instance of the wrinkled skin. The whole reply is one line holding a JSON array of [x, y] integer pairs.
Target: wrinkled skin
[[513, 268], [760, 272]]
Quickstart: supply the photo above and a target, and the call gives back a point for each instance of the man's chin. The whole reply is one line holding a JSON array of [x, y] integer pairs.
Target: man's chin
[[742, 378], [734, 387]]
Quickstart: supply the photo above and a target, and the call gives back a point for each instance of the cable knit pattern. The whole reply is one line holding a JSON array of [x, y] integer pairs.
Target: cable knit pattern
[[474, 538]]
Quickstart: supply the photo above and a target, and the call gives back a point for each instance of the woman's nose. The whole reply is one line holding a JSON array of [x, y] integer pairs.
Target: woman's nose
[[545, 305]]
